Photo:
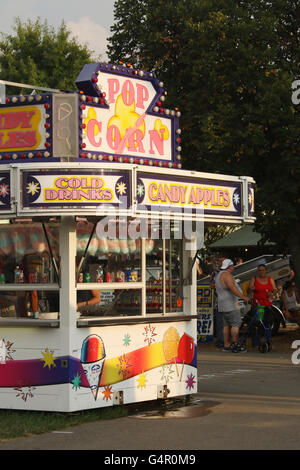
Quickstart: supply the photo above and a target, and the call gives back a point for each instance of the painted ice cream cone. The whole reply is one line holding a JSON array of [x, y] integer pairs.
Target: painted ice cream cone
[[92, 359]]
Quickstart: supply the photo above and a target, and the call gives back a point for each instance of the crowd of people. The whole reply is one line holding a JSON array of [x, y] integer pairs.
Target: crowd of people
[[262, 291]]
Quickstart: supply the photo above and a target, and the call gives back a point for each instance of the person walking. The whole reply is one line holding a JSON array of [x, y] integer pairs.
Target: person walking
[[218, 318], [228, 293], [263, 287]]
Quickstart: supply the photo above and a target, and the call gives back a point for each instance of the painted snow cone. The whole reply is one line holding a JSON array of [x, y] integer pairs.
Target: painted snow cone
[[92, 359]]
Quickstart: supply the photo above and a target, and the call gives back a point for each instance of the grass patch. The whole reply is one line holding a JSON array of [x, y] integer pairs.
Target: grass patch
[[18, 423]]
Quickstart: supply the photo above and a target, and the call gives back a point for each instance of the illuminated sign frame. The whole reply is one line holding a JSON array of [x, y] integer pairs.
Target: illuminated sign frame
[[123, 119], [163, 193], [25, 128], [67, 189]]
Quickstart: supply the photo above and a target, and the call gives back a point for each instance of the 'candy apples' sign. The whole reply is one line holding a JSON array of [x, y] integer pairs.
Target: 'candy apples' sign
[[22, 128], [166, 192], [123, 117]]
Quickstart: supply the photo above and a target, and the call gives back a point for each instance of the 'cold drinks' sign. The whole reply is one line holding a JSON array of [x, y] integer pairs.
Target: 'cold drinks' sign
[[75, 189]]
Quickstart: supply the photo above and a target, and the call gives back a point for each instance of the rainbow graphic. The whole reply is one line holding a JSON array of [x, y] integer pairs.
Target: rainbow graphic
[[94, 369]]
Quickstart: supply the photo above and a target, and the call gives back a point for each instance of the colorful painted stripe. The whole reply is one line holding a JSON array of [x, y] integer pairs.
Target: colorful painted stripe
[[35, 372]]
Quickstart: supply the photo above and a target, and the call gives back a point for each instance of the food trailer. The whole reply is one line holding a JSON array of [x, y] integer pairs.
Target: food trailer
[[98, 235]]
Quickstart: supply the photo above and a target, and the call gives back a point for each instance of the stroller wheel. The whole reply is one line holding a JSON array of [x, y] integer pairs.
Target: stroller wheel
[[264, 347], [235, 347]]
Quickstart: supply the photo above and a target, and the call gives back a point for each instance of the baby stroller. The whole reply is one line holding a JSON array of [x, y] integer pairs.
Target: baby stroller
[[259, 326]]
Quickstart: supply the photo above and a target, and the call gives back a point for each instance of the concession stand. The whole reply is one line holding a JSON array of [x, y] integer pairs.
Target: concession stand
[[99, 228]]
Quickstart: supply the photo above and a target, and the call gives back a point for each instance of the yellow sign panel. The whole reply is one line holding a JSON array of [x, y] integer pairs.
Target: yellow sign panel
[[20, 128]]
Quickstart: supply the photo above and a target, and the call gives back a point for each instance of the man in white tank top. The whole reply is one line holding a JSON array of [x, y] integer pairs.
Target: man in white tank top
[[228, 294], [291, 302]]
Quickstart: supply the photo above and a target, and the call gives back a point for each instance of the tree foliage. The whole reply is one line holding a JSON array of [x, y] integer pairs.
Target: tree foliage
[[38, 55], [229, 66]]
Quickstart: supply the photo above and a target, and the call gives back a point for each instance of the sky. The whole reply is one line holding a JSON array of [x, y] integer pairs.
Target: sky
[[88, 21]]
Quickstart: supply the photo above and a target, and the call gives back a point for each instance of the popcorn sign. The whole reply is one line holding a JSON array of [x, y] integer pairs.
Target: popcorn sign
[[123, 118]]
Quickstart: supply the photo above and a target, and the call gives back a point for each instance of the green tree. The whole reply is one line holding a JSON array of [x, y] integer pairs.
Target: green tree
[[229, 66], [38, 55]]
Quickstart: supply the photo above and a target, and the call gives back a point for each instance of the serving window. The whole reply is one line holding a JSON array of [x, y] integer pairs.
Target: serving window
[[103, 259], [164, 289], [123, 276], [108, 270], [29, 277]]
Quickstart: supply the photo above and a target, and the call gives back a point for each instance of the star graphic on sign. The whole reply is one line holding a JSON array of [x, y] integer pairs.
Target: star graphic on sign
[[142, 380], [76, 381], [140, 190], [166, 372], [124, 366], [2, 352], [6, 351], [107, 393], [236, 198], [190, 381], [128, 121], [33, 188], [48, 359], [121, 188], [4, 190], [24, 391], [126, 340], [149, 333]]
